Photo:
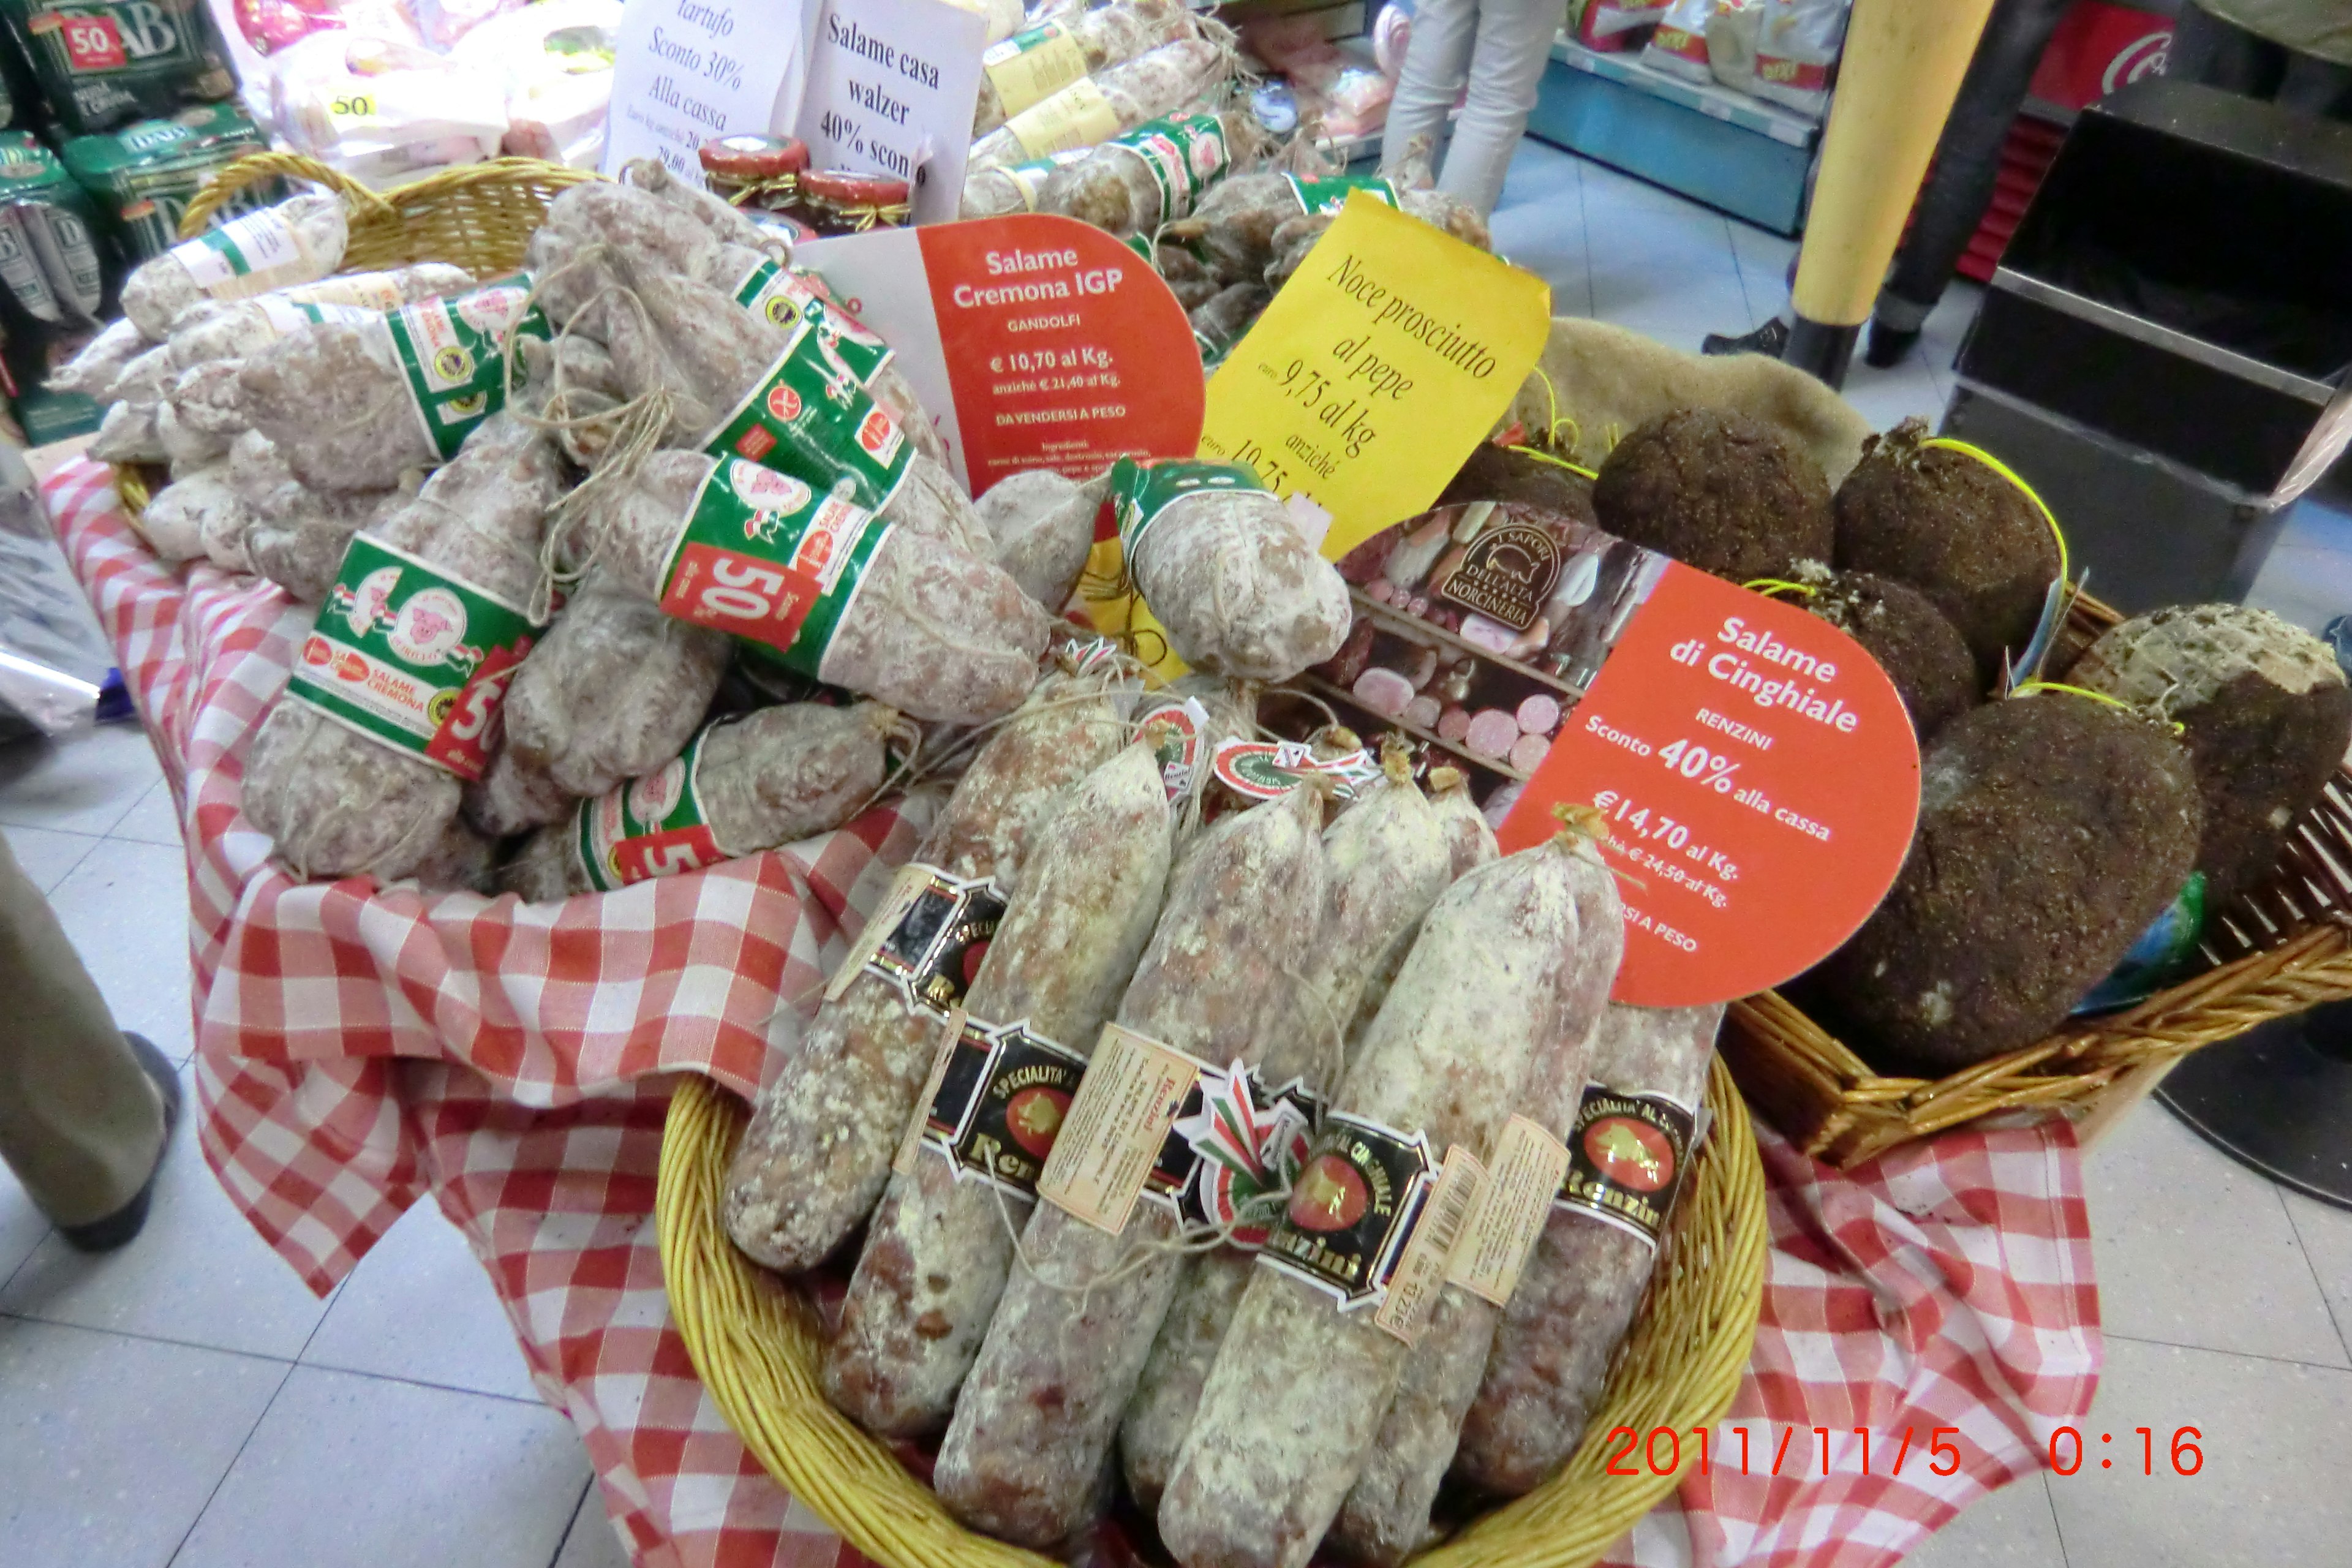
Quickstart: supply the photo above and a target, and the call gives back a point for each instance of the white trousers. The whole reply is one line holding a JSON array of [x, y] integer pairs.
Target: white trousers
[[1501, 46]]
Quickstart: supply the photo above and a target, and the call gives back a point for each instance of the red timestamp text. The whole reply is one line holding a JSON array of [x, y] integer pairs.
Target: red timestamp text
[[1826, 1451]]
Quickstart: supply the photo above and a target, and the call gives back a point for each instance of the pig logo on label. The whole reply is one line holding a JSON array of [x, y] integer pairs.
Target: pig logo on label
[[490, 312], [430, 628], [841, 382], [1330, 1196], [1630, 1154], [365, 607], [653, 797], [1033, 1117]]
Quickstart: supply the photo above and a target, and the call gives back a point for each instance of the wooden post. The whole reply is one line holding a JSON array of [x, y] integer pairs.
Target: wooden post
[[1902, 70]]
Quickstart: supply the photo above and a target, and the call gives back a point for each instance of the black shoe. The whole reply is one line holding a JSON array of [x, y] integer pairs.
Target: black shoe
[[1887, 346], [106, 1234], [1768, 340]]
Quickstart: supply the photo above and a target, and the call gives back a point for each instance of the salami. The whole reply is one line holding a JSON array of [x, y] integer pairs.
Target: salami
[[818, 1150], [1386, 1518], [741, 785], [1467, 836], [1033, 1429], [344, 780], [1583, 1285], [1301, 1385], [296, 241], [1386, 862], [1097, 108], [939, 1248], [841, 594], [1044, 526], [1215, 557], [1053, 54], [1142, 178]]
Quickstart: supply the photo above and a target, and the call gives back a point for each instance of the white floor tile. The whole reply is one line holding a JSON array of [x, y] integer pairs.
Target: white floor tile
[[1539, 225], [1887, 397], [356, 1472], [2270, 1491], [1661, 266], [2011, 1529], [1763, 258], [125, 910], [109, 1447], [2192, 1248], [46, 855], [419, 1307], [155, 820], [2326, 1232], [593, 1542], [81, 784], [197, 1274], [22, 1225]]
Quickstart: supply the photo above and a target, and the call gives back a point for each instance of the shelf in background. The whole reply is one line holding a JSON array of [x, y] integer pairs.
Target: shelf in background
[[1407, 625], [1323, 688]]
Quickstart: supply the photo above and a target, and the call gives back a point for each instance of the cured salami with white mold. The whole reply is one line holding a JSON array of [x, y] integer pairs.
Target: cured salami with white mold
[[340, 781], [818, 1153], [1467, 836], [296, 241], [741, 785], [937, 1250], [1061, 51], [1300, 1387], [1386, 1518], [1386, 862], [1097, 108], [1585, 1279], [1043, 527], [1034, 1427], [1215, 556]]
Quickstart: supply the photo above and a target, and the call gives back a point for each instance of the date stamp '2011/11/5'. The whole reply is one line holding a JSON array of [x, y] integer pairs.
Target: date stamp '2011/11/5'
[[1849, 1452]]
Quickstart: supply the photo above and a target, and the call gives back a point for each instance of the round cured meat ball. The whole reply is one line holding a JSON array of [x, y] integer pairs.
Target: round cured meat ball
[[2052, 829], [1955, 529], [1923, 654], [2263, 710], [1717, 491]]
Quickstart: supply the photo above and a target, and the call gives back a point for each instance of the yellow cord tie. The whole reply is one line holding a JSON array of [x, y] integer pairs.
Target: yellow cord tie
[[2116, 702], [2065, 571], [1771, 588], [1541, 456]]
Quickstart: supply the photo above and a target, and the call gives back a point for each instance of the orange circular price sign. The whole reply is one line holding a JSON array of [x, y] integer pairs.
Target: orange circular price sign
[[1759, 783]]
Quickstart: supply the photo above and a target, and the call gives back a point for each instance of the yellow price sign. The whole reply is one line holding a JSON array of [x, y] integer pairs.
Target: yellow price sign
[[1380, 365]]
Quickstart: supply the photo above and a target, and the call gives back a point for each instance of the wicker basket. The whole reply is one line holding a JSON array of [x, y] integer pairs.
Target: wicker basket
[[2279, 949], [755, 1342], [478, 217]]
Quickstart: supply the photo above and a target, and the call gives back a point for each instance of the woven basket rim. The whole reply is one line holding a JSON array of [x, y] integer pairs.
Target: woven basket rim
[[752, 1338]]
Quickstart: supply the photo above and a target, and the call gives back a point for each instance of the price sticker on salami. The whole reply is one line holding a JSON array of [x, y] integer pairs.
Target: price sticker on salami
[[1758, 779]]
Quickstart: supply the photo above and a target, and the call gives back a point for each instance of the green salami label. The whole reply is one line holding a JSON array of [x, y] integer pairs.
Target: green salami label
[[782, 295], [101, 62], [1142, 492], [810, 417], [766, 557], [652, 827], [1319, 196], [412, 657], [453, 353], [1184, 154]]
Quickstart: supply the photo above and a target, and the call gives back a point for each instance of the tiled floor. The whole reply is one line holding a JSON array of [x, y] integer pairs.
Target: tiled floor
[[185, 1402]]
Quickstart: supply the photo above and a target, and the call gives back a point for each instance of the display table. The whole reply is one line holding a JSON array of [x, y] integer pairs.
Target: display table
[[358, 1049]]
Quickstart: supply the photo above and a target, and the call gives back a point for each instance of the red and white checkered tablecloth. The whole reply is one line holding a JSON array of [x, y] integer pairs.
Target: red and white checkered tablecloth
[[358, 1047]]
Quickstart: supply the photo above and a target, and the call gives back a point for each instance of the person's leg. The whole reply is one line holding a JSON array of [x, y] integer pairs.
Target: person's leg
[[1436, 59], [1968, 164], [2207, 49], [83, 1118], [1514, 44]]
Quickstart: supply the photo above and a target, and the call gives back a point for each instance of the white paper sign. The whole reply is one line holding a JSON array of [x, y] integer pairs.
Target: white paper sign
[[891, 88], [686, 71]]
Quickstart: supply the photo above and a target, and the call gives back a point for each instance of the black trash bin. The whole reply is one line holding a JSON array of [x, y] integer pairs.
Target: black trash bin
[[2163, 351]]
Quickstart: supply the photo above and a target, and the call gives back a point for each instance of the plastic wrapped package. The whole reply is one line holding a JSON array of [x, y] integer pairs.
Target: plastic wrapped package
[[110, 61], [52, 657], [1678, 46], [1796, 51], [378, 108], [144, 176], [1732, 29], [554, 62]]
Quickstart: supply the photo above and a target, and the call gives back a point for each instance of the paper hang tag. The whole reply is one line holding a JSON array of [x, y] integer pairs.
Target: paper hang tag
[[1117, 1123], [1078, 116], [1422, 1268], [1510, 1213]]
